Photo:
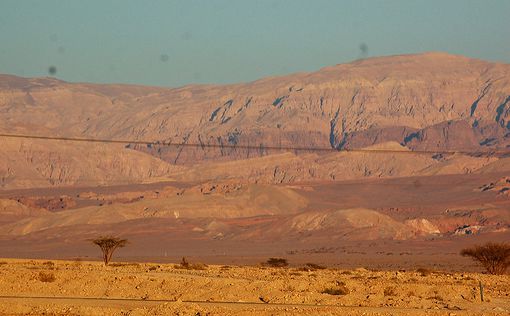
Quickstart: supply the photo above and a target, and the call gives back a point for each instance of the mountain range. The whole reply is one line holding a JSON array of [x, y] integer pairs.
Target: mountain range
[[426, 102]]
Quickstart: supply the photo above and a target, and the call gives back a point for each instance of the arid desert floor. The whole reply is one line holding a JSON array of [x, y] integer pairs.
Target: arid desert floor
[[41, 287]]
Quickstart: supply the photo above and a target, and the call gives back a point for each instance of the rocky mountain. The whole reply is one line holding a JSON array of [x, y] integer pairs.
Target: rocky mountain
[[431, 102]]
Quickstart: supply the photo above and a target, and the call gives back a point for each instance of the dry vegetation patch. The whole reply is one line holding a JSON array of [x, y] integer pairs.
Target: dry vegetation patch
[[424, 271], [190, 266], [47, 277], [494, 257], [277, 262], [338, 290], [125, 264], [390, 291], [311, 267]]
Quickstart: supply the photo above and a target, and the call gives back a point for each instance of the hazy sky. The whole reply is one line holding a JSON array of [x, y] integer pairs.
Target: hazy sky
[[171, 43]]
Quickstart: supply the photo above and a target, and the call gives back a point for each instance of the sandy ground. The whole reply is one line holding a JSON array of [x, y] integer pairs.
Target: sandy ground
[[39, 287]]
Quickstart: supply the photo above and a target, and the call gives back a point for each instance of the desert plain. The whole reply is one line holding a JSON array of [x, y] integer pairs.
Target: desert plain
[[37, 287]]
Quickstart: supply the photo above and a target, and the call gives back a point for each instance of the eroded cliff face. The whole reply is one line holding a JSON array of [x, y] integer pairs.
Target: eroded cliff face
[[430, 101], [36, 163]]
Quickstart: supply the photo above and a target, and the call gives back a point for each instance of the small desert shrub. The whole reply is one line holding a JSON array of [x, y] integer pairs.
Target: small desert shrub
[[49, 265], [277, 262], [339, 290], [46, 277], [308, 267], [190, 266], [423, 271], [390, 291], [125, 264], [494, 257], [347, 272], [153, 268], [314, 266], [2, 263]]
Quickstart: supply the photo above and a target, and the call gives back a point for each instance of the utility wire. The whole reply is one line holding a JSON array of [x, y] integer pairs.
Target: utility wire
[[219, 303], [95, 182], [126, 180], [260, 147]]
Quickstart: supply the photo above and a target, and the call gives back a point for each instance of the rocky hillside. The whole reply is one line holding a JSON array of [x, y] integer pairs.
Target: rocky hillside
[[431, 101]]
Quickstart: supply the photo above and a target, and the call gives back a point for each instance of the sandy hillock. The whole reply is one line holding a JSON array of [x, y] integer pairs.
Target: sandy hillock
[[249, 201]]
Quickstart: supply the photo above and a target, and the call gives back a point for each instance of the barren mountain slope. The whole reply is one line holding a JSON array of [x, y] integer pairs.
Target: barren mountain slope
[[40, 163], [430, 101], [289, 167], [408, 99]]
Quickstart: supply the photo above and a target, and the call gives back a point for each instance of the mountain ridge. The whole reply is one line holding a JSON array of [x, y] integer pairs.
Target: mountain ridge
[[430, 101]]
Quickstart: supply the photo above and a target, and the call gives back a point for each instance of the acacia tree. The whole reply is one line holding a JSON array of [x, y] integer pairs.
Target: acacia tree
[[494, 257], [108, 244]]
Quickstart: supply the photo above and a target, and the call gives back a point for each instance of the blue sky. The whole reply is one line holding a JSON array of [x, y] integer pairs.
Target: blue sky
[[172, 43]]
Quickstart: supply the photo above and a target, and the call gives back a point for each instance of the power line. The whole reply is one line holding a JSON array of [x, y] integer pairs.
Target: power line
[[127, 180], [95, 182], [260, 147], [202, 302]]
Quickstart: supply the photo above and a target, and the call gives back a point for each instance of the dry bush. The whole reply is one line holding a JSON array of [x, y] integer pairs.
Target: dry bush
[[153, 268], [125, 264], [49, 265], [277, 262], [190, 266], [314, 266], [3, 262], [47, 277], [390, 291], [494, 257], [311, 267], [338, 290], [108, 244], [423, 271]]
